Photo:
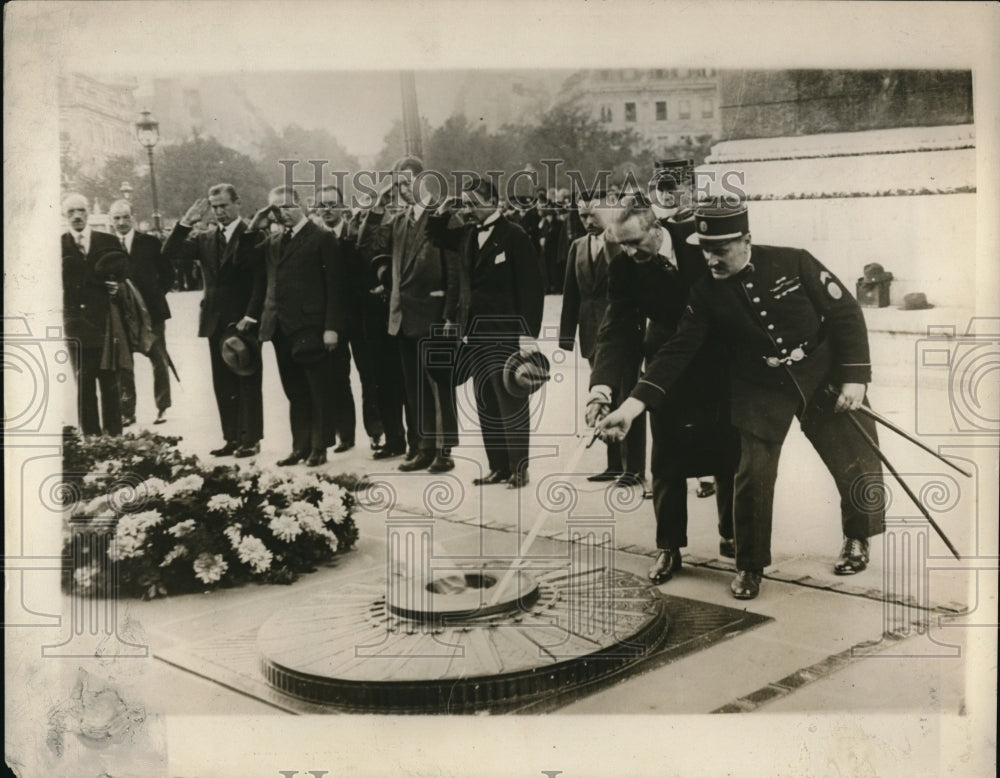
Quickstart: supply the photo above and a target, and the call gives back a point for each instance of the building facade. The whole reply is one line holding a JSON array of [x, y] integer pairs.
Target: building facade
[[96, 120], [665, 106]]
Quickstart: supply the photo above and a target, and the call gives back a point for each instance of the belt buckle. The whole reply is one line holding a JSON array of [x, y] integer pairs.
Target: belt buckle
[[797, 354]]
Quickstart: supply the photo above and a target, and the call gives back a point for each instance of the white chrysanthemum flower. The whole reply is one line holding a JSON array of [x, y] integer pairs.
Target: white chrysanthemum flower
[[146, 519], [182, 528], [269, 511], [97, 507], [331, 490], [126, 545], [253, 552], [175, 553], [209, 568], [224, 503], [331, 540], [233, 533], [285, 527], [189, 483], [83, 577], [269, 479], [154, 486], [332, 509], [306, 514]]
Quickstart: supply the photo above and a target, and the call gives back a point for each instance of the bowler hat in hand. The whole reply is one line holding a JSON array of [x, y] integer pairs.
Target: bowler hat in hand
[[240, 351], [525, 372], [112, 265]]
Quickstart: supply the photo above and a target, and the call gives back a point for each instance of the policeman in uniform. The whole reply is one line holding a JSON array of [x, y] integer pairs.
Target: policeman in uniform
[[650, 281], [797, 346]]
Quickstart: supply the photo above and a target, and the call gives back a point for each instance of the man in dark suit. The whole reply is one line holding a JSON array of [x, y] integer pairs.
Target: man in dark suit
[[329, 211], [585, 300], [501, 295], [153, 276], [85, 317], [229, 258], [301, 306], [423, 275], [651, 278], [797, 346]]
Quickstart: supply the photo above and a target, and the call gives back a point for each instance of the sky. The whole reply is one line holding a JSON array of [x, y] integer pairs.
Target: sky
[[356, 107]]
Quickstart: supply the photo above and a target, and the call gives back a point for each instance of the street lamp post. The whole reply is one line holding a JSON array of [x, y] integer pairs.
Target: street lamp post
[[126, 190], [147, 130]]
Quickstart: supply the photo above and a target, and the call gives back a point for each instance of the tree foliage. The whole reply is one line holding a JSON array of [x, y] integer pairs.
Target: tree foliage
[[302, 145]]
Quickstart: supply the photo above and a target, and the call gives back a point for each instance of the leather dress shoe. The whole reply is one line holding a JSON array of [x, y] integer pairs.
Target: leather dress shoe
[[705, 489], [746, 584], [225, 451], [343, 446], [441, 464], [247, 451], [421, 461], [727, 548], [390, 450], [292, 459], [518, 480], [492, 477], [316, 457], [668, 562], [376, 443], [853, 557], [412, 453], [631, 479], [128, 421], [607, 475], [160, 417]]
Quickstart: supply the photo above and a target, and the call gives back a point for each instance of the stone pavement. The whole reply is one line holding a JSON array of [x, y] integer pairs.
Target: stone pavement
[[824, 649]]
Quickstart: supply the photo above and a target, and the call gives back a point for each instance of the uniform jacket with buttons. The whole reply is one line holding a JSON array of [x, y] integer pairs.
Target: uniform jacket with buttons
[[85, 298], [228, 271], [789, 327]]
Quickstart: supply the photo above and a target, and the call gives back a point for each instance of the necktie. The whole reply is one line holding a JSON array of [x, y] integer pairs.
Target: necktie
[[286, 238], [220, 241], [80, 244], [124, 246]]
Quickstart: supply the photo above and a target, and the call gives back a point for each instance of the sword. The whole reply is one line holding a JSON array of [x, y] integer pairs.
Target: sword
[[902, 433], [891, 469]]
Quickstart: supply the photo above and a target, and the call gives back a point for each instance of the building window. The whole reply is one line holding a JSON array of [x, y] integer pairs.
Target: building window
[[606, 114], [661, 110], [684, 109], [697, 73], [707, 108], [630, 112]]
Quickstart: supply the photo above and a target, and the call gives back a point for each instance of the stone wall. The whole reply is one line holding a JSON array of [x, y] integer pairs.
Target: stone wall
[[777, 103]]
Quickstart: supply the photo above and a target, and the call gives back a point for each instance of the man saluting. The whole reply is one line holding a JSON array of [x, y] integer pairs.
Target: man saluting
[[792, 331]]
